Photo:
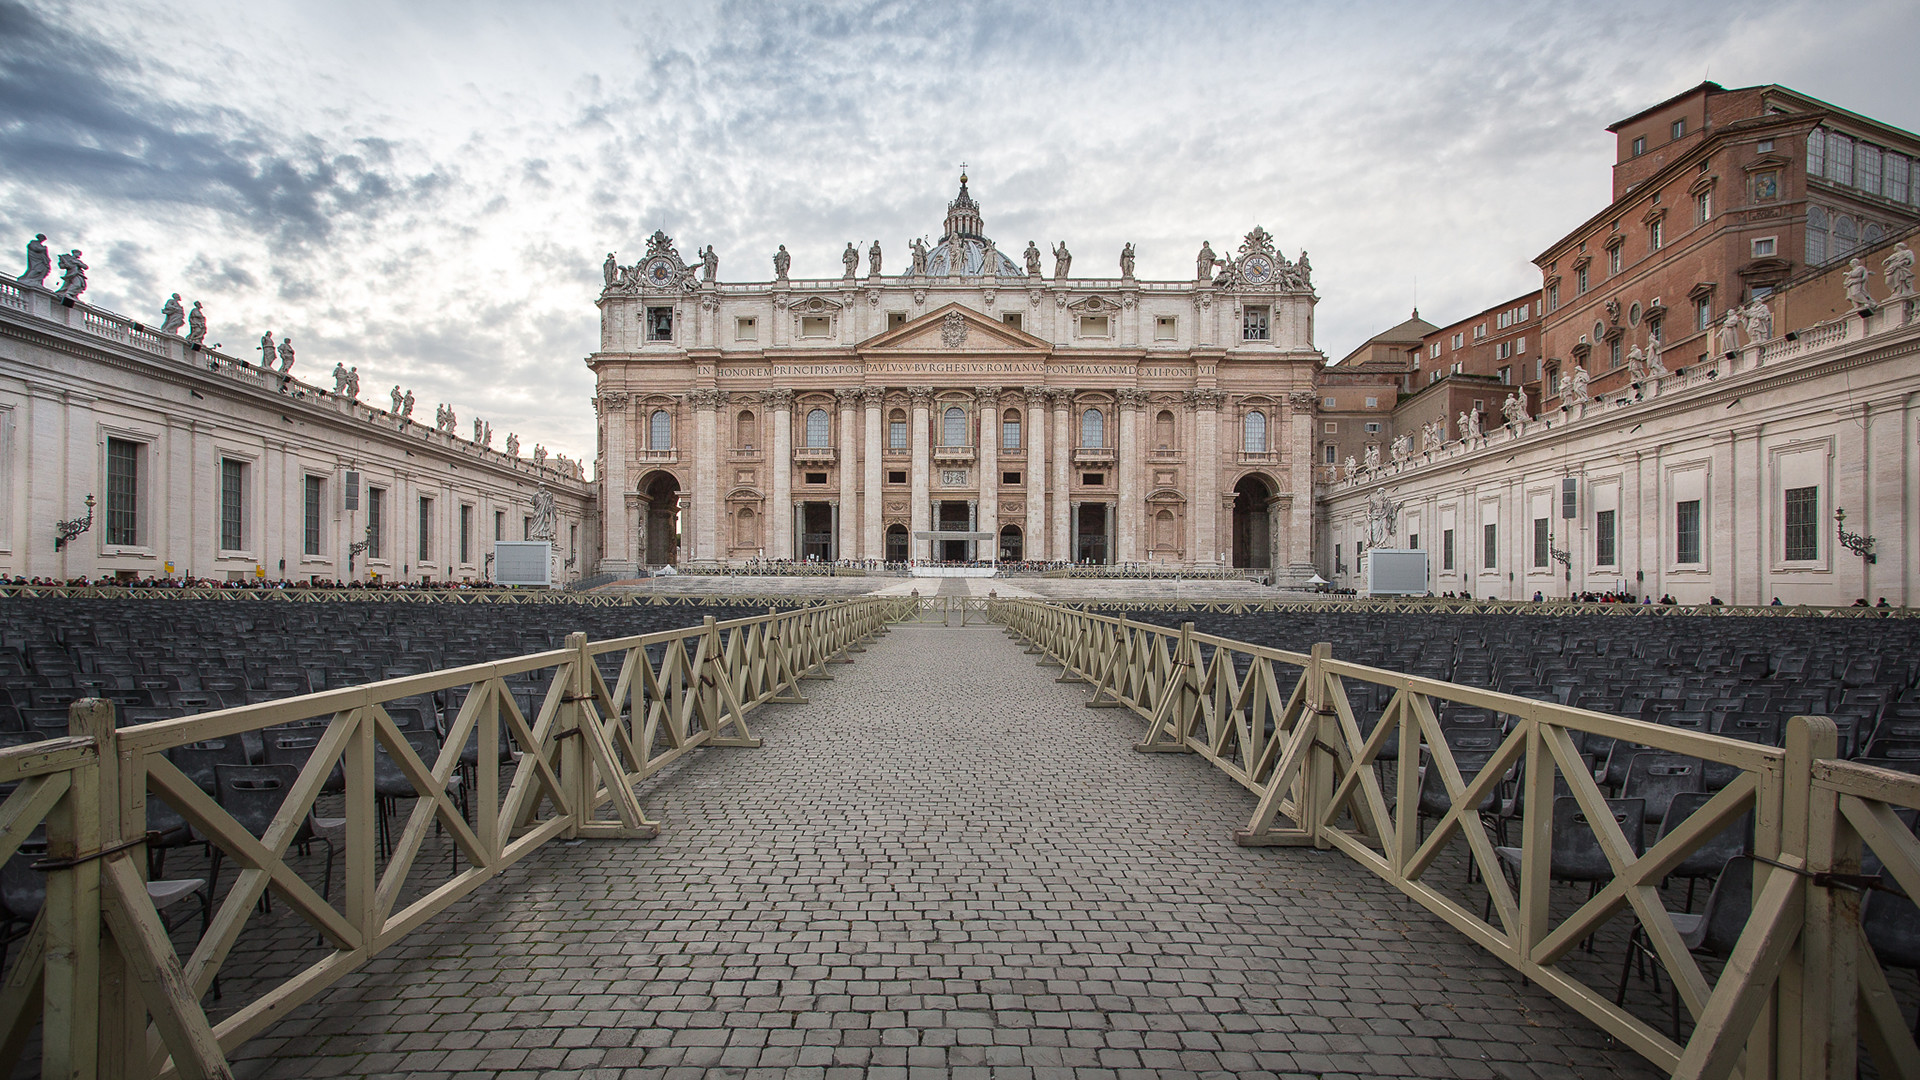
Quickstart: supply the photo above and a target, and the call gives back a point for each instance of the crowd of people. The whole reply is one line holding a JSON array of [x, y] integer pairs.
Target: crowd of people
[[150, 582]]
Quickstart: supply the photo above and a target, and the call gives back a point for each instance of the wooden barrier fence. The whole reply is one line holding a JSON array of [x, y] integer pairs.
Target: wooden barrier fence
[[98, 970], [1795, 997]]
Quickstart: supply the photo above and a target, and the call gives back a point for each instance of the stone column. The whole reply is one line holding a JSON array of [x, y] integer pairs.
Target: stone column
[[1073, 533], [704, 543], [1297, 454], [1110, 527], [922, 511], [779, 516], [846, 539], [833, 508], [873, 544], [1034, 541], [616, 541], [1209, 540], [973, 525], [1062, 468], [987, 400], [1126, 548]]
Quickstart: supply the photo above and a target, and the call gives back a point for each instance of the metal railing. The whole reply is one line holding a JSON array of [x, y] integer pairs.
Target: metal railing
[[1800, 989], [125, 1004]]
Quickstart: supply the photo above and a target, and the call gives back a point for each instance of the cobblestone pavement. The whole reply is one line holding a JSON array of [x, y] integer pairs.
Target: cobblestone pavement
[[943, 866]]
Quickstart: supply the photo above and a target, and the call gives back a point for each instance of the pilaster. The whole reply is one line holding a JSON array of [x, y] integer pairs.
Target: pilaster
[[987, 402], [846, 536], [1034, 541], [874, 546], [922, 509], [779, 517], [1063, 545]]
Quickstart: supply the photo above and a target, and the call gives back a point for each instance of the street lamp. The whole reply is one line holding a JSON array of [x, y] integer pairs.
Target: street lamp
[[73, 527], [1852, 541]]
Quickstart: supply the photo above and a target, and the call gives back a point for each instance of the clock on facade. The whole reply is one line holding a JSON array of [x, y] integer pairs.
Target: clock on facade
[[1256, 269], [658, 272]]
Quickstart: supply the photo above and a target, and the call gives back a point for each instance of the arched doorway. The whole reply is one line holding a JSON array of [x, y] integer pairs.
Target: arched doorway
[[1011, 546], [1250, 523], [660, 519], [896, 543]]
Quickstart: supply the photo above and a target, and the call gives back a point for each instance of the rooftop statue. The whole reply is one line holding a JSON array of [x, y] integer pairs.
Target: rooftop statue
[[266, 350], [339, 378], [610, 270], [850, 258], [781, 262], [353, 382], [1897, 270], [709, 265], [1636, 366], [1204, 263], [394, 395], [39, 263], [1126, 262], [513, 445], [406, 406], [1033, 259], [1578, 394], [173, 315], [286, 355], [73, 275], [1759, 320], [1730, 330], [919, 247], [873, 259], [196, 325], [1062, 261], [1855, 279], [1655, 367]]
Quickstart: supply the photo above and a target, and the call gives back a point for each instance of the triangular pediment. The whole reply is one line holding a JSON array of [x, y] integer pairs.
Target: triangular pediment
[[937, 330]]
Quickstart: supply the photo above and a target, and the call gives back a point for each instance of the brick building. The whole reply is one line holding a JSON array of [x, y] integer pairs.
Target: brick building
[[1719, 196]]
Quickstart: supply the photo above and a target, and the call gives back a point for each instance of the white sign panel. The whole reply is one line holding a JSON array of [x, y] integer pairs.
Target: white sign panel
[[522, 562], [1396, 572]]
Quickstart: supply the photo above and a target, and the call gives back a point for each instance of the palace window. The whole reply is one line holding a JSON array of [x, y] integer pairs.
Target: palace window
[[466, 532], [1580, 281], [746, 328], [1654, 235], [1093, 429], [426, 530], [1845, 237], [1702, 207], [1639, 145], [376, 515], [1093, 479], [896, 319], [1253, 323], [1553, 296], [1542, 542], [1093, 326], [1803, 524], [1373, 429], [1446, 549], [1010, 430], [123, 491], [816, 326], [1763, 247], [953, 427], [1613, 259], [1011, 318], [1686, 531], [313, 520], [819, 429], [1329, 451], [1165, 328], [1703, 313], [1603, 537], [659, 324], [1679, 127], [1256, 433], [1489, 546], [1011, 479], [897, 476], [897, 431], [1613, 354], [660, 431], [233, 494]]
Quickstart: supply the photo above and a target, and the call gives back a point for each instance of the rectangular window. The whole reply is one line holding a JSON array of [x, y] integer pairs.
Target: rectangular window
[[1093, 326], [659, 324], [1489, 546], [1011, 479], [233, 494], [1519, 344], [426, 530], [1898, 171], [897, 477], [1603, 538], [1446, 549], [896, 435], [1803, 524], [1679, 128], [123, 492], [1553, 296], [526, 527], [1653, 235], [1093, 479], [1541, 542], [1459, 340], [376, 525], [1580, 281], [1817, 152], [1010, 433], [1373, 429], [1434, 352], [1373, 403], [1613, 259], [466, 533], [1686, 531], [1253, 323], [1165, 328], [1839, 158], [1763, 247], [1639, 145], [315, 506], [1413, 542], [1703, 313], [816, 325], [1011, 318], [499, 524], [1764, 146], [1480, 332], [1330, 426], [816, 478], [746, 329], [1329, 452], [1866, 169], [1613, 354]]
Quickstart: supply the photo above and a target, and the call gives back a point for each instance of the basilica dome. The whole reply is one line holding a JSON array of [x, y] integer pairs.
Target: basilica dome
[[964, 242]]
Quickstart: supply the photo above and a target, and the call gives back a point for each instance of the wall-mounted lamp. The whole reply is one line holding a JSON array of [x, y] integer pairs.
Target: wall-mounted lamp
[[1854, 542], [67, 530]]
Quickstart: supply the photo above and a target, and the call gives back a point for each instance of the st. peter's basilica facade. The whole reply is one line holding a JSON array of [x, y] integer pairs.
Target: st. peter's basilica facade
[[969, 407]]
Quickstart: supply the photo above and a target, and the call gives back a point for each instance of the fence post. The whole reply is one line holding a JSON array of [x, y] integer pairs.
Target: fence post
[[1316, 780], [75, 999], [1818, 1032], [575, 775]]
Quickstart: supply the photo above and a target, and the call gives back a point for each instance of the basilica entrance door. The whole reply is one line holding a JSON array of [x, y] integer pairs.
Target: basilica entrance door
[[1250, 523], [662, 519], [816, 531], [1092, 543]]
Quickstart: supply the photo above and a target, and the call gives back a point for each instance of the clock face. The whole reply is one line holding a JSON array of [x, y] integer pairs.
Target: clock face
[[1256, 269], [658, 271]]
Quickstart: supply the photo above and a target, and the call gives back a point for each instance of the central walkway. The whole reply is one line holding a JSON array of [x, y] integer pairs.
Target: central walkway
[[941, 866]]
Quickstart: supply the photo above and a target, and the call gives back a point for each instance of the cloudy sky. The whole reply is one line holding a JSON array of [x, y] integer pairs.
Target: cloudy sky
[[427, 189]]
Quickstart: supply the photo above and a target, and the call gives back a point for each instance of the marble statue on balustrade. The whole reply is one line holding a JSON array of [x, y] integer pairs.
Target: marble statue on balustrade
[[850, 258], [1579, 393], [266, 350], [1203, 264], [1656, 367], [1636, 366], [406, 406], [286, 355], [1351, 466], [39, 262], [1126, 262], [73, 275], [610, 270], [873, 259], [919, 248], [444, 418], [1428, 437], [339, 378], [1373, 456], [1897, 271], [1856, 282], [1398, 449], [709, 265], [543, 524], [476, 429], [1515, 410], [1729, 342], [196, 325], [513, 445], [1062, 261], [1033, 259], [1306, 270], [781, 263], [486, 435], [173, 315], [393, 394], [1382, 515], [1470, 428], [539, 455], [353, 382], [1759, 322]]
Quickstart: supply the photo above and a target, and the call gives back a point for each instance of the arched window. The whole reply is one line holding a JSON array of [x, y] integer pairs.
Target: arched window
[[1256, 432], [660, 431], [1010, 430], [897, 430], [819, 429], [1093, 429], [743, 428], [953, 426], [1845, 236], [1163, 435]]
